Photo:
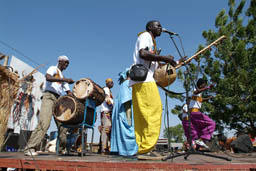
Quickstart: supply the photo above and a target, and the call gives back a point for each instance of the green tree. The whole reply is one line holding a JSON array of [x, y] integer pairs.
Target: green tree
[[176, 133], [231, 65]]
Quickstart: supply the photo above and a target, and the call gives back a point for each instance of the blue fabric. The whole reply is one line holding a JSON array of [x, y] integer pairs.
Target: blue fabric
[[123, 75], [122, 135]]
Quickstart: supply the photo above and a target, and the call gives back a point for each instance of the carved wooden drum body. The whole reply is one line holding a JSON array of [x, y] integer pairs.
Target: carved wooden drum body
[[68, 110], [165, 75], [86, 88]]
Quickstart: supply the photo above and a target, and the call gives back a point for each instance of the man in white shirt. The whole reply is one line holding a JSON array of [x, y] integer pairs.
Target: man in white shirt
[[147, 106], [55, 85]]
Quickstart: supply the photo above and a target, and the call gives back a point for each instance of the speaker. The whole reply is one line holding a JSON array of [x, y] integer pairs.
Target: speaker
[[23, 139], [11, 141]]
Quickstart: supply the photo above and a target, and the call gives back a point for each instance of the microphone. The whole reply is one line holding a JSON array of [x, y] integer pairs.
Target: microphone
[[169, 32]]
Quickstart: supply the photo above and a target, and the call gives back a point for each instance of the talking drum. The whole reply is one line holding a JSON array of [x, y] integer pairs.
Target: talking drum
[[86, 88], [68, 110], [165, 75]]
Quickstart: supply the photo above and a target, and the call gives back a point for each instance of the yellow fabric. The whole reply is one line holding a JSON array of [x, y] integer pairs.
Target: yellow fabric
[[197, 98], [194, 110], [147, 109], [141, 33], [57, 75], [109, 80], [185, 118]]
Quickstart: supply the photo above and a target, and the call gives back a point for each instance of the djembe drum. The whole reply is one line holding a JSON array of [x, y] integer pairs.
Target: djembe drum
[[86, 88], [68, 110]]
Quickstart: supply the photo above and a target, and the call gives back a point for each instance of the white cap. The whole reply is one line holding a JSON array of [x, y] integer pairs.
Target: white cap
[[63, 58]]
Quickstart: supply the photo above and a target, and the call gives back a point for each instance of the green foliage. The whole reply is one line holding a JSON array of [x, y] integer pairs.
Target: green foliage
[[231, 9], [176, 133], [231, 65]]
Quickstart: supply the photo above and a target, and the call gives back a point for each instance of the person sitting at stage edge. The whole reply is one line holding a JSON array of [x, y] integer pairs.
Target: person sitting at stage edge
[[203, 125], [55, 85], [105, 115], [147, 105]]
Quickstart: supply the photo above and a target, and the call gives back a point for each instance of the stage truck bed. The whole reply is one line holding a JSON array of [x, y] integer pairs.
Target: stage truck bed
[[112, 162]]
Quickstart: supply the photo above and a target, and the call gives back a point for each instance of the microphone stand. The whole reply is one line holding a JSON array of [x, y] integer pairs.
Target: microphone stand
[[191, 148], [170, 149]]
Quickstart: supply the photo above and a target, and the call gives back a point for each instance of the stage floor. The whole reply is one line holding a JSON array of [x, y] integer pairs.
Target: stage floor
[[115, 163]]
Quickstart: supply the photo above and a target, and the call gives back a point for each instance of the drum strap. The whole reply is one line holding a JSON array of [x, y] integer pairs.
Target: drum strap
[[55, 94]]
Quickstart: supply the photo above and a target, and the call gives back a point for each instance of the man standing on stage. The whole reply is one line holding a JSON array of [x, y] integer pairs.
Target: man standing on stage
[[55, 85], [105, 112], [147, 106]]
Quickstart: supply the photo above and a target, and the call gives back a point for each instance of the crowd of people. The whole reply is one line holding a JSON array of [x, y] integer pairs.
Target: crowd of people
[[131, 122]]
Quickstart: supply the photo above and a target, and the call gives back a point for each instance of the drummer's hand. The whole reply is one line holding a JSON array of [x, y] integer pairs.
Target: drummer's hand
[[171, 61], [208, 98], [211, 86], [70, 93], [69, 80], [182, 60], [171, 57]]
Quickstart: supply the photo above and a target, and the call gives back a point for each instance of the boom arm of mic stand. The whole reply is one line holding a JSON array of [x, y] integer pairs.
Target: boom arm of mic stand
[[171, 37]]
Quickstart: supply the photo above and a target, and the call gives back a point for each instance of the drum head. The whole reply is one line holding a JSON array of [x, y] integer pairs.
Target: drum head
[[83, 88], [64, 108]]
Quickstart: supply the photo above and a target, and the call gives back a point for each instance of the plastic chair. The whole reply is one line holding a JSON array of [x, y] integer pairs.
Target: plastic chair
[[87, 123]]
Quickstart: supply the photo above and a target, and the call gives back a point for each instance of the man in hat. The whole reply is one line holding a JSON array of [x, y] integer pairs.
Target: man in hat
[[55, 85], [106, 111]]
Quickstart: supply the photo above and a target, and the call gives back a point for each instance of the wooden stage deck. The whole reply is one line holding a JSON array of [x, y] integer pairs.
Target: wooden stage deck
[[115, 163]]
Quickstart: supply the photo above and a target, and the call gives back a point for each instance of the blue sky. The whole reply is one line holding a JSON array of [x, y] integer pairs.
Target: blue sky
[[99, 36]]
